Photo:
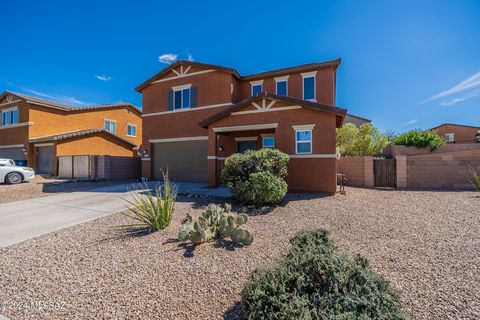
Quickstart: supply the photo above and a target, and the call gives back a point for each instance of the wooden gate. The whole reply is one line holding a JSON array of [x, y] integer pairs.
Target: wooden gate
[[385, 172]]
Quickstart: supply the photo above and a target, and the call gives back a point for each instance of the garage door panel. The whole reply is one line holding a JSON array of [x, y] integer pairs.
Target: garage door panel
[[12, 153], [185, 161]]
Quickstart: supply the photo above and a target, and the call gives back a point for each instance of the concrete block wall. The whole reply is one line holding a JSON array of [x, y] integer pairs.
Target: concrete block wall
[[441, 171], [357, 170], [401, 171]]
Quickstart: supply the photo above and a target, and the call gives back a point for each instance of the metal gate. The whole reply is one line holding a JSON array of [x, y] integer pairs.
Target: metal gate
[[385, 172]]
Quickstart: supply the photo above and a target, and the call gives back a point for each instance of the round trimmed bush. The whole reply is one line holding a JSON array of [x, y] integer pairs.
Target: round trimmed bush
[[314, 281], [256, 177]]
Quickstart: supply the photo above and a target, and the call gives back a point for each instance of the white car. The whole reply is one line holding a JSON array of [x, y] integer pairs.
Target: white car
[[12, 174]]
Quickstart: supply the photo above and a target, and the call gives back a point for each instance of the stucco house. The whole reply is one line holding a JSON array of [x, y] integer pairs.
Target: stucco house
[[196, 114], [38, 131], [458, 133]]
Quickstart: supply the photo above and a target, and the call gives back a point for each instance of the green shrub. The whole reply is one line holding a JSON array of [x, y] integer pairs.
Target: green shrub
[[365, 140], [314, 281], [216, 222], [419, 139], [256, 177], [152, 211]]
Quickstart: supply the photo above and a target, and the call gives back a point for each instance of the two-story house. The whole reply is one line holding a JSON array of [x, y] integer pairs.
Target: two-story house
[[458, 133], [37, 131], [195, 115]]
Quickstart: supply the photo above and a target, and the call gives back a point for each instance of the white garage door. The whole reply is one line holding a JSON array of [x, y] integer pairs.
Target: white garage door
[[185, 161]]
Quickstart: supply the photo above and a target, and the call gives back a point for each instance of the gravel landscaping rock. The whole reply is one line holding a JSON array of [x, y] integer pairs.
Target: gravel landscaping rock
[[426, 243]]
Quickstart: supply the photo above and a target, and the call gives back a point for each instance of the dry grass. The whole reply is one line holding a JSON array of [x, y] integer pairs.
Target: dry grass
[[426, 243]]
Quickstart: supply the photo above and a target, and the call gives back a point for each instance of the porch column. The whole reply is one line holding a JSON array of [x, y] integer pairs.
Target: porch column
[[212, 158]]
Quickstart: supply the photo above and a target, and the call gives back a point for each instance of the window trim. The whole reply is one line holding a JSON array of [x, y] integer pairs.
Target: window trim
[[450, 134], [304, 128], [256, 83], [268, 136], [113, 121], [313, 75], [132, 125], [8, 111], [282, 79]]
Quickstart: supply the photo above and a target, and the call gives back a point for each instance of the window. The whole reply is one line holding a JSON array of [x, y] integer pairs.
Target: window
[[181, 98], [309, 86], [256, 89], [450, 137], [110, 126], [282, 88], [269, 142], [9, 116], [131, 130], [303, 141]]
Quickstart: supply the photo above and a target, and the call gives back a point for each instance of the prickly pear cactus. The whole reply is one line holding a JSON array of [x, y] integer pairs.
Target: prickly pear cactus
[[216, 222]]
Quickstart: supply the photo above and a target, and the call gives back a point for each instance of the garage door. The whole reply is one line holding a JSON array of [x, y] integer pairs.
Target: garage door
[[12, 153], [45, 160], [186, 160]]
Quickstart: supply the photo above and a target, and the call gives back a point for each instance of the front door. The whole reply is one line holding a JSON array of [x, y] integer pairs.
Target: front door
[[246, 145]]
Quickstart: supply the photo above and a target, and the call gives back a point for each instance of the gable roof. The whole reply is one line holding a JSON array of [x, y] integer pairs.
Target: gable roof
[[69, 108], [339, 112], [79, 133], [273, 73], [454, 124]]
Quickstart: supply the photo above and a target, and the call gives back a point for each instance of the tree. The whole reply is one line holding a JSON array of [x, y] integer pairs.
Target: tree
[[365, 140]]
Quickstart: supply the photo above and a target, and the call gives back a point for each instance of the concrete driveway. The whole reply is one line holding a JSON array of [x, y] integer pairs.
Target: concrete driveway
[[27, 219]]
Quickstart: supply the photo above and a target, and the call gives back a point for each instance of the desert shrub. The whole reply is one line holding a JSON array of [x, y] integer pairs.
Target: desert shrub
[[152, 211], [256, 177], [216, 222], [419, 139], [314, 281], [474, 179], [365, 140]]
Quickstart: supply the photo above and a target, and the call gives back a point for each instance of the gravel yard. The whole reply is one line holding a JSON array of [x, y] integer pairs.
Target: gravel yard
[[426, 243], [42, 187]]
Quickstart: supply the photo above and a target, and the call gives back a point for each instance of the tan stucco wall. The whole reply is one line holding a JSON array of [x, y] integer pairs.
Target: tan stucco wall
[[48, 121], [98, 144]]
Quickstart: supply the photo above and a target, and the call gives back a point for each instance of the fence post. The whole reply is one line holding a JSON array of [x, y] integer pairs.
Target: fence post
[[401, 171], [368, 172]]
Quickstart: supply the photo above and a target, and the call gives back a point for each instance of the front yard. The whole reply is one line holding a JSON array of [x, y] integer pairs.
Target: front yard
[[426, 243]]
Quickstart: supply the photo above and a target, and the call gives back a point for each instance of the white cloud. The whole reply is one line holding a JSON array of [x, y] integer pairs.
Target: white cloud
[[472, 82], [57, 97], [190, 57], [467, 96], [413, 121], [167, 58], [103, 78]]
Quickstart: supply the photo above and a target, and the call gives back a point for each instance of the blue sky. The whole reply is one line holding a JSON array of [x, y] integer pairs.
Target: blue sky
[[405, 64]]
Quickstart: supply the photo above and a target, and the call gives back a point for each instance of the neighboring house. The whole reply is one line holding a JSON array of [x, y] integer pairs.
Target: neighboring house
[[38, 131], [458, 133], [356, 120], [195, 115]]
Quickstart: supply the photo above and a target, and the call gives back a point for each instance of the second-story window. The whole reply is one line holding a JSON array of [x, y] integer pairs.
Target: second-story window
[[131, 130], [181, 98], [9, 116], [282, 85], [257, 87], [282, 88], [111, 126], [309, 86]]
